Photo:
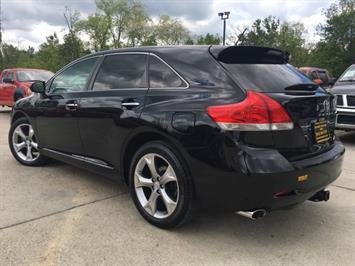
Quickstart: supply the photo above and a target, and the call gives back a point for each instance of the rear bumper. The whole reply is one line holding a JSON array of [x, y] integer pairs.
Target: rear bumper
[[271, 190]]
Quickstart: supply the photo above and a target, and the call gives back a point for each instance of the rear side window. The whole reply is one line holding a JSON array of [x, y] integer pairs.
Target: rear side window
[[162, 76], [122, 72], [10, 75], [265, 77]]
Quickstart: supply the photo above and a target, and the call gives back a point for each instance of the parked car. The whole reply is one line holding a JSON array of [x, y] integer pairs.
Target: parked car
[[344, 88], [15, 83], [319, 76], [235, 127]]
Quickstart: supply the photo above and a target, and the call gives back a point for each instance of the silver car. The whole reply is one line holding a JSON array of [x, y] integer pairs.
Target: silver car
[[344, 88]]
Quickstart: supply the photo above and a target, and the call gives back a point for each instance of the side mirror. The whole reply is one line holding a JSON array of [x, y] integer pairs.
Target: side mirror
[[38, 87], [318, 81], [8, 81]]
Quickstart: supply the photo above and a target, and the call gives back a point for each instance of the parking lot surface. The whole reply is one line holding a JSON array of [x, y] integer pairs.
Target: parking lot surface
[[61, 215]]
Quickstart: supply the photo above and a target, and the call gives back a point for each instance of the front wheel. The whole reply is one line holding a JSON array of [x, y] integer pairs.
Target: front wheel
[[23, 143], [160, 187]]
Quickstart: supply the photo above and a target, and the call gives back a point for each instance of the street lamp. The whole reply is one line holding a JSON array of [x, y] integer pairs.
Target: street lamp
[[224, 16]]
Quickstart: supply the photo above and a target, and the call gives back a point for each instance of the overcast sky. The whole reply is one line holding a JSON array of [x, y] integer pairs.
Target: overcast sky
[[28, 22]]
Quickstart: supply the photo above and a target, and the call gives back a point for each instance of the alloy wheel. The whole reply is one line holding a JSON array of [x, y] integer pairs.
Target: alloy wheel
[[156, 185], [24, 143]]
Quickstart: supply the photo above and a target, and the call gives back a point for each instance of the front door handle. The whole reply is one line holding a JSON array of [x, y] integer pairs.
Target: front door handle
[[72, 106]]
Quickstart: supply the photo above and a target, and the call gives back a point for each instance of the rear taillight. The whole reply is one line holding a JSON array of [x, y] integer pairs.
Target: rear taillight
[[257, 112]]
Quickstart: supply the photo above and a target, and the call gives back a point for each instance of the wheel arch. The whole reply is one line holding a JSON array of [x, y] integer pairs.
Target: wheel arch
[[17, 115], [139, 138]]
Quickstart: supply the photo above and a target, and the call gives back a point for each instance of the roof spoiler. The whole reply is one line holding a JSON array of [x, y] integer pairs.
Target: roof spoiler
[[249, 55]]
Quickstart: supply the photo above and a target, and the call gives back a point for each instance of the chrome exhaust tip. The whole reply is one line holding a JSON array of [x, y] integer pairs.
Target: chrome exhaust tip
[[254, 215]]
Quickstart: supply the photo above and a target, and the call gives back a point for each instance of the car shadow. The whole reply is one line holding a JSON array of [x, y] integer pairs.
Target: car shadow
[[307, 219], [347, 137]]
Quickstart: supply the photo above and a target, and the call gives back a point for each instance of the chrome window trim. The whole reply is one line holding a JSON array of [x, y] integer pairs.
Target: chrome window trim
[[49, 82], [149, 88], [172, 69], [347, 110], [91, 89]]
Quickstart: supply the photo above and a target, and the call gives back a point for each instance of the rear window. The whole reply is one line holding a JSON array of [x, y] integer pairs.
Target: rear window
[[265, 77]]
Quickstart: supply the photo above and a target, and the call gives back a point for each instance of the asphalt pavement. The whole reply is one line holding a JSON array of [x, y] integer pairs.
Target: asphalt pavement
[[62, 215]]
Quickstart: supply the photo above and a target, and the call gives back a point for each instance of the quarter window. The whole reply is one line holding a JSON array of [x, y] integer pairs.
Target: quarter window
[[74, 78], [161, 76], [122, 72]]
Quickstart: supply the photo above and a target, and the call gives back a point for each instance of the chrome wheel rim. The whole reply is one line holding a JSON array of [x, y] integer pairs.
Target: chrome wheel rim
[[156, 185], [24, 143]]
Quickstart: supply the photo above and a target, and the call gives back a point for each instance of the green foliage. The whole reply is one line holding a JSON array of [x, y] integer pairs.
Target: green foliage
[[208, 39], [125, 23], [286, 36], [150, 41], [170, 31], [97, 27], [336, 50], [189, 41]]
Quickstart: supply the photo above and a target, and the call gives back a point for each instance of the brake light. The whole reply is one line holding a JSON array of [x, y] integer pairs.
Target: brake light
[[257, 112]]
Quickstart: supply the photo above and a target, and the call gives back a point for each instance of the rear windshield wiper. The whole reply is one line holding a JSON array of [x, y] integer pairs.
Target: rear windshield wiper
[[347, 80]]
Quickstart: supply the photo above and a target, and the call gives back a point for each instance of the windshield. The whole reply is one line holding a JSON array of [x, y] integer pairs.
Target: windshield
[[266, 77], [32, 75], [349, 74]]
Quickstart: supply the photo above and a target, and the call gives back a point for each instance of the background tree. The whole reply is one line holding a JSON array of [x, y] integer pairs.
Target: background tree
[[208, 39], [73, 46], [138, 28], [189, 41], [97, 27], [336, 50], [48, 55], [286, 36], [170, 31], [119, 23]]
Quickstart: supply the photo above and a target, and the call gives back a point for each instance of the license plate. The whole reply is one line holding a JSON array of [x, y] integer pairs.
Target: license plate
[[321, 131]]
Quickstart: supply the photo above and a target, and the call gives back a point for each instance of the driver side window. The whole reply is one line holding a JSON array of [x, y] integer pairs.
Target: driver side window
[[10, 76], [74, 78]]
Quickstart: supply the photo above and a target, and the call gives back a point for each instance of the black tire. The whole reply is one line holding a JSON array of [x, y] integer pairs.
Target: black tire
[[184, 206], [40, 160]]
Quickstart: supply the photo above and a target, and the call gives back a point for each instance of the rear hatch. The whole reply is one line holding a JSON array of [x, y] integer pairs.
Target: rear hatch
[[311, 109]]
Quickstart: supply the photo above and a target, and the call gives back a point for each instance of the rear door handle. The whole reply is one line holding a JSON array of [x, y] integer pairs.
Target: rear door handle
[[130, 104]]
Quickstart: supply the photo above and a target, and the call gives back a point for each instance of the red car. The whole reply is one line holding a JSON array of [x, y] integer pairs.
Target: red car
[[15, 83], [319, 76]]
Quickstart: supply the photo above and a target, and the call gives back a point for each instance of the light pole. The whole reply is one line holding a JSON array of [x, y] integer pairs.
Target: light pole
[[224, 16]]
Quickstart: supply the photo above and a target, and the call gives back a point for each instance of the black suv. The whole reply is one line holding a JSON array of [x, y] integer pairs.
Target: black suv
[[344, 88], [209, 126]]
